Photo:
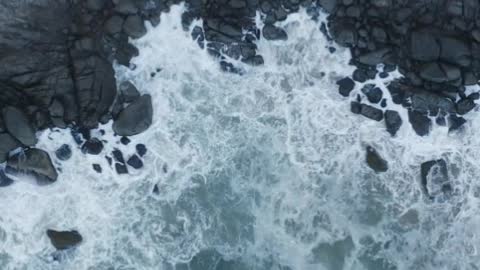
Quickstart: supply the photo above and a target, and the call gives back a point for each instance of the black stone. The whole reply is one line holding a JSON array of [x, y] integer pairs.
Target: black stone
[[345, 86], [135, 162], [118, 156], [393, 122], [62, 240], [271, 32], [97, 168], [374, 94], [93, 146], [121, 168], [375, 161], [125, 140], [64, 152], [371, 112], [156, 190], [420, 122], [456, 122], [141, 149]]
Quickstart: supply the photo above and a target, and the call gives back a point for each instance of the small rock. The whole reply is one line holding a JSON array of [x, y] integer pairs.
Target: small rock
[[434, 175], [5, 181], [97, 168], [129, 92], [93, 146], [62, 240], [156, 190], [19, 126], [135, 118], [375, 161], [95, 4], [141, 149], [455, 122], [135, 162], [134, 26], [345, 86], [118, 156], [121, 168], [125, 140], [64, 152], [271, 32], [371, 112], [126, 7], [374, 94], [393, 121], [35, 162], [7, 144], [465, 105], [420, 122], [114, 25]]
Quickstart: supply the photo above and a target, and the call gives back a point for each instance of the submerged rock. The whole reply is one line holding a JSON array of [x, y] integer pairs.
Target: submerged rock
[[34, 162], [434, 176], [375, 161], [135, 118], [62, 240]]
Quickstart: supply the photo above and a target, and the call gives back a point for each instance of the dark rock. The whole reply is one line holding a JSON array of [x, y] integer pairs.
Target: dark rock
[[424, 47], [64, 152], [271, 32], [360, 75], [455, 51], [114, 25], [134, 26], [374, 94], [371, 112], [5, 181], [440, 73], [156, 190], [57, 112], [375, 161], [465, 105], [135, 118], [118, 156], [62, 240], [344, 33], [19, 126], [356, 107], [34, 162], [7, 144], [420, 122], [328, 5], [135, 162], [374, 58], [97, 168], [456, 122], [126, 7], [434, 176], [345, 86], [95, 4], [141, 149], [93, 146], [393, 121], [129, 92], [121, 168], [125, 140]]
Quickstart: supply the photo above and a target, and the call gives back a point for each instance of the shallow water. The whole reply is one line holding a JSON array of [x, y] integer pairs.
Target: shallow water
[[260, 171]]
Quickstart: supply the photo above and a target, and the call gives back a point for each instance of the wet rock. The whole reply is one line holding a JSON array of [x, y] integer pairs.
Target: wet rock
[[125, 140], [93, 146], [344, 32], [62, 240], [455, 51], [465, 105], [114, 25], [271, 32], [345, 86], [7, 144], [134, 26], [64, 152], [393, 122], [95, 4], [424, 47], [374, 94], [374, 58], [375, 161], [420, 122], [5, 181], [328, 5], [121, 168], [33, 162], [97, 168], [129, 92], [125, 7], [156, 190], [135, 162], [141, 149], [440, 73], [56, 114], [118, 156], [371, 112], [434, 177], [19, 126], [455, 122], [135, 118]]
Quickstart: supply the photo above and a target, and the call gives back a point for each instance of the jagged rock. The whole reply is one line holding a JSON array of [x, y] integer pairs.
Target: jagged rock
[[141, 149], [129, 92], [435, 180], [19, 126], [375, 161], [135, 162], [420, 122], [374, 94], [7, 144], [118, 156], [393, 122], [135, 118], [62, 240], [455, 122], [64, 152], [465, 105], [34, 162]]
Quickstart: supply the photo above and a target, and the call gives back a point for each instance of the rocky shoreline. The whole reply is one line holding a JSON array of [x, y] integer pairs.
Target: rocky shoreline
[[56, 68]]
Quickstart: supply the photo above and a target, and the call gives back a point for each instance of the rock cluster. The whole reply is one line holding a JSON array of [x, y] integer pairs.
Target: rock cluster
[[435, 44]]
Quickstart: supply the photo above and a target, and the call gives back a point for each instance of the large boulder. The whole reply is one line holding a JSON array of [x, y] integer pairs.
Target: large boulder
[[62, 240], [19, 126], [135, 118], [33, 162]]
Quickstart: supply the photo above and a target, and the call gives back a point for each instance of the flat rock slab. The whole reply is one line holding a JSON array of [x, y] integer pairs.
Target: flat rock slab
[[34, 162], [62, 240]]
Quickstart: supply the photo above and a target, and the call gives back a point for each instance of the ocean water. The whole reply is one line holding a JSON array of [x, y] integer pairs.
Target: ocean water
[[261, 171]]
